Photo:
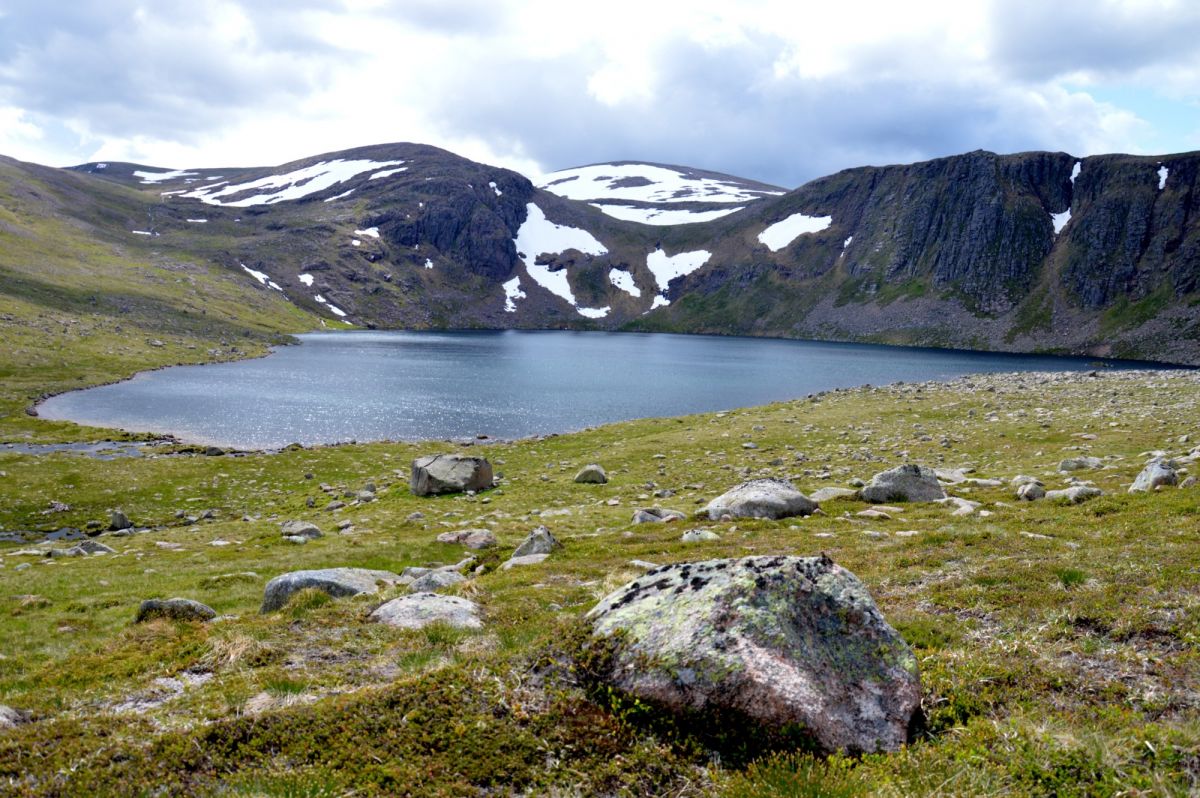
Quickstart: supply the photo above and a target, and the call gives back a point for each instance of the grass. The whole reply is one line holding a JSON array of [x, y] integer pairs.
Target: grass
[[1057, 644]]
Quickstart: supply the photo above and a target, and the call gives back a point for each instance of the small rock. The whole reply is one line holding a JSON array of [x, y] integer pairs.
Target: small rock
[[539, 541], [1031, 491], [698, 536], [822, 495], [10, 717], [1189, 482], [177, 609], [422, 609], [436, 580], [591, 474], [651, 515], [873, 513], [414, 517], [1076, 494], [117, 520], [525, 559], [337, 582], [1080, 464]]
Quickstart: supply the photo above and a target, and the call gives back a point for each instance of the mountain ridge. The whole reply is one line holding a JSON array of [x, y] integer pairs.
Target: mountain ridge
[[1029, 251]]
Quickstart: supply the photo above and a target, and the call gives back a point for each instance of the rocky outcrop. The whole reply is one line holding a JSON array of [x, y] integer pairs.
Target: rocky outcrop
[[539, 541], [422, 609], [780, 641]]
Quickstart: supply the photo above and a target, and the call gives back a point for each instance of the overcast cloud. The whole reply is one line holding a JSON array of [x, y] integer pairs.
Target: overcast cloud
[[779, 91]]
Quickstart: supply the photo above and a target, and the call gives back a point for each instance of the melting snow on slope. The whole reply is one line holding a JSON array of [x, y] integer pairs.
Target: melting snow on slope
[[370, 232], [290, 185], [143, 233], [659, 184], [428, 263], [499, 193], [1162, 176], [594, 313], [512, 292], [332, 308], [663, 217], [262, 277], [780, 234], [624, 281], [198, 221], [307, 279], [539, 236], [1075, 170], [158, 177], [660, 301], [339, 196], [389, 172], [1060, 220], [666, 269]]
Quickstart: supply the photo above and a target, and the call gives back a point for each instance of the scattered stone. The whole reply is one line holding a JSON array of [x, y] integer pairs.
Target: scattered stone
[[1077, 494], [436, 580], [213, 451], [344, 524], [961, 506], [871, 512], [414, 517], [1080, 463], [335, 505], [1031, 491], [822, 495], [450, 473], [1190, 482], [117, 520], [782, 641], [525, 559], [904, 483], [10, 717], [698, 535], [422, 609], [1023, 479], [657, 515], [1157, 473], [337, 582], [301, 529], [645, 565], [591, 474], [539, 541], [177, 609], [761, 498]]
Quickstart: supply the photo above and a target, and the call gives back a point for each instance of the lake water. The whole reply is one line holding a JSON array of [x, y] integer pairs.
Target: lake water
[[437, 385]]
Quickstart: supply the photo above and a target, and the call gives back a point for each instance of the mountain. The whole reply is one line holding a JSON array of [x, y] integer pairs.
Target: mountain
[[657, 194], [1024, 252]]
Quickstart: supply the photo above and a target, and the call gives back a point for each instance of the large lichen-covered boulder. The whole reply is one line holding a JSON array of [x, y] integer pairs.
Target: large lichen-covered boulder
[[761, 498], [904, 483], [450, 473], [1156, 474], [337, 582], [783, 642]]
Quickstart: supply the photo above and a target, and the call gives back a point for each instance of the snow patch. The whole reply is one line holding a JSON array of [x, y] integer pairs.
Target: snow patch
[[594, 313], [143, 233], [339, 196], [370, 232], [307, 279], [198, 221], [499, 193], [262, 277], [1059, 220], [780, 234], [660, 301], [428, 263], [539, 236], [354, 242], [158, 177], [1162, 177], [666, 268], [512, 292], [332, 308], [290, 185], [1075, 170], [624, 281], [659, 216], [101, 166], [389, 172], [658, 184], [846, 243]]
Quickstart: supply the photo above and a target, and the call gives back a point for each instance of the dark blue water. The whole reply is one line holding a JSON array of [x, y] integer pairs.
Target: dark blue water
[[407, 385]]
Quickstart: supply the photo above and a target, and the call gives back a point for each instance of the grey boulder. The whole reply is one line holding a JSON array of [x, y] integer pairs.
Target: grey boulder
[[591, 474], [176, 609], [1076, 494], [449, 473], [1080, 463], [761, 498], [539, 541], [832, 494], [117, 520], [657, 515], [300, 529], [434, 581], [1031, 491], [784, 642], [337, 582], [10, 717], [471, 538], [1156, 473], [422, 609], [904, 483]]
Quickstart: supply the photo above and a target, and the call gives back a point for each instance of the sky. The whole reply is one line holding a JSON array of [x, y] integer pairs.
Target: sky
[[780, 91]]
